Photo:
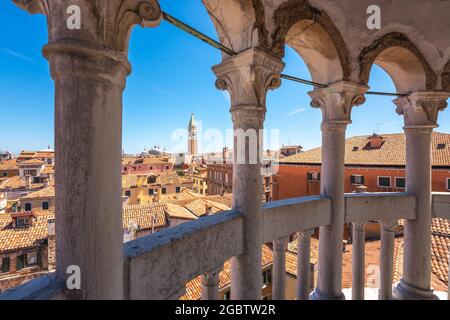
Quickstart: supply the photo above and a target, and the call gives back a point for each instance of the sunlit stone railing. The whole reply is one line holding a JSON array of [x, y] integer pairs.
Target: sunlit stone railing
[[158, 266]]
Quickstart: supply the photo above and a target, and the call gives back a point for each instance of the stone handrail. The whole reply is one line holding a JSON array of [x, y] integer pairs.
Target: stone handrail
[[441, 205], [158, 266], [364, 207], [285, 217]]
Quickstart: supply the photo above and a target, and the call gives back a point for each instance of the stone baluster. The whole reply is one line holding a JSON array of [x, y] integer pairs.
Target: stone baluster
[[358, 260], [336, 103], [420, 111], [89, 66], [247, 77], [304, 264], [388, 228], [210, 285], [279, 269]]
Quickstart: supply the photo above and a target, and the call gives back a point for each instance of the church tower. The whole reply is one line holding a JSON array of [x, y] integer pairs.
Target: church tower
[[192, 139]]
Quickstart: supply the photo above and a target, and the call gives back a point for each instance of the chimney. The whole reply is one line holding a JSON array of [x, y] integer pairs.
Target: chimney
[[375, 141], [224, 154], [51, 246], [28, 181]]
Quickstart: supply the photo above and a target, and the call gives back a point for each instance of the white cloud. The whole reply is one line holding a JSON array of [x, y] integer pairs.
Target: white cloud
[[296, 111], [19, 56]]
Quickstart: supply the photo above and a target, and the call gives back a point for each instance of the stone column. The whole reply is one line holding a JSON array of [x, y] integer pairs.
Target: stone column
[[89, 65], [247, 77], [420, 111], [387, 258], [303, 264], [358, 260], [279, 269], [336, 103], [210, 285]]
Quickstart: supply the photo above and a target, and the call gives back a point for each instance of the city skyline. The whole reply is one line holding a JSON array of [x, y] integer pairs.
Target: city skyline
[[163, 90]]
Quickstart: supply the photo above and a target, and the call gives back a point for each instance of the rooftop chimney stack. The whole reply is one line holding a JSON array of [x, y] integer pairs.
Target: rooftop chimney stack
[[375, 141]]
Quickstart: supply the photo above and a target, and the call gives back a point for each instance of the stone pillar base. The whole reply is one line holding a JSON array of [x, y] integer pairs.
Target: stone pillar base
[[403, 291], [317, 295]]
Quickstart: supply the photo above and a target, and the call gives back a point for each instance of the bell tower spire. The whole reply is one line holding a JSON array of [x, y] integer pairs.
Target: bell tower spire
[[192, 138]]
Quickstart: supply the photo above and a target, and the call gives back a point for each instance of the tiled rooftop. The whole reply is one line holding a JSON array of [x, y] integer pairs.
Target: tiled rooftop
[[391, 153]]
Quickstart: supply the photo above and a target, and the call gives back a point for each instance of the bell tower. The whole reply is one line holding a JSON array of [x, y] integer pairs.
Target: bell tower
[[192, 138]]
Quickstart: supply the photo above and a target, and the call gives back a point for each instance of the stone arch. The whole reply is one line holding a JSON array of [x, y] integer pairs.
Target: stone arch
[[446, 77], [312, 33], [240, 24], [401, 59]]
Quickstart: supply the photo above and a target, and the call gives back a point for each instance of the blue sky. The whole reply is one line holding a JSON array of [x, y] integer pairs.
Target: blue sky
[[171, 78]]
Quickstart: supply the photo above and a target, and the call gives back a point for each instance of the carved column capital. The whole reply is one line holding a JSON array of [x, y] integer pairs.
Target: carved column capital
[[420, 109], [337, 100], [389, 225], [248, 77], [103, 23]]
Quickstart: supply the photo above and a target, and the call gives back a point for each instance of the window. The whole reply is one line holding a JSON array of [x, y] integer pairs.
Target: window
[[384, 182], [313, 176], [267, 277], [5, 264], [400, 183], [448, 184], [357, 179], [151, 180], [32, 259], [164, 190], [28, 207], [21, 262], [45, 205], [178, 190], [128, 193], [151, 192], [5, 174], [227, 295]]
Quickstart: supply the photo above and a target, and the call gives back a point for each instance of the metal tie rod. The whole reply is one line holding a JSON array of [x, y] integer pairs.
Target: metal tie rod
[[199, 35]]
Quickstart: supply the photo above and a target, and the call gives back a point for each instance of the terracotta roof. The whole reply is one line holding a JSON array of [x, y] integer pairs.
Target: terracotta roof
[[23, 238], [8, 165], [44, 154], [314, 253], [30, 162], [18, 183], [226, 199], [194, 287], [142, 216], [49, 170], [391, 153], [198, 207], [179, 212], [45, 193]]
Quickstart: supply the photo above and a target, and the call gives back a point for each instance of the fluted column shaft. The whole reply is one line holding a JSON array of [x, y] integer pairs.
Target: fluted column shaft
[[248, 76], [387, 259], [336, 103], [89, 66], [358, 260], [420, 111], [303, 284], [279, 269]]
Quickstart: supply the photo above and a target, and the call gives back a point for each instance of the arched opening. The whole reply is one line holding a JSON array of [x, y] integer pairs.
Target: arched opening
[[313, 35], [401, 59]]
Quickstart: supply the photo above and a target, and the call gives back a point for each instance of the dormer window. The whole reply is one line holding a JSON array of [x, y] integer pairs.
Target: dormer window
[[313, 176], [441, 146], [23, 219]]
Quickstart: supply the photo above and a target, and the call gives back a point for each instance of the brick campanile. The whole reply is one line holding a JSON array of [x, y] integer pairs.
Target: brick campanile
[[192, 139]]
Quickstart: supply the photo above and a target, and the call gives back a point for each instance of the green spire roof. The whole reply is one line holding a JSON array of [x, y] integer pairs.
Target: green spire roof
[[192, 121]]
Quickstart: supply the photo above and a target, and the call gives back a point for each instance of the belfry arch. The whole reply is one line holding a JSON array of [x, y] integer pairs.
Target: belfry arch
[[313, 35], [399, 57]]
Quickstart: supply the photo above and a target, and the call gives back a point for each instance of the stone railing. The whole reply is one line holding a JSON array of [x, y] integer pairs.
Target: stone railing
[[158, 266]]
